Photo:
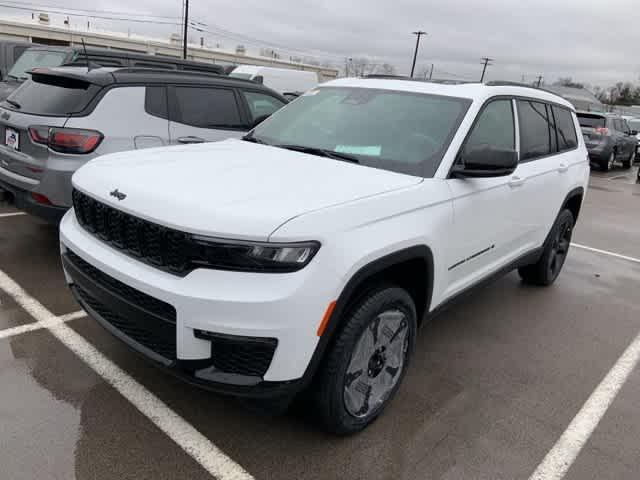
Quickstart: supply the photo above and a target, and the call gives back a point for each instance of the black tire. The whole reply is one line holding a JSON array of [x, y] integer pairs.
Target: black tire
[[628, 163], [332, 384], [545, 271], [607, 164]]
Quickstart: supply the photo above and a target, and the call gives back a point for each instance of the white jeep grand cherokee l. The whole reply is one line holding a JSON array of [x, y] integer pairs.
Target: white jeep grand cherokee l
[[308, 253]]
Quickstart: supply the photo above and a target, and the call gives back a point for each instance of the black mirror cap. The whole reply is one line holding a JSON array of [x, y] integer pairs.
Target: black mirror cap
[[258, 79], [634, 132], [486, 162]]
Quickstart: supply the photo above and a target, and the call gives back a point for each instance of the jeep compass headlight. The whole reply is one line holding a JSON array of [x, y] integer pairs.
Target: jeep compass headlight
[[253, 256]]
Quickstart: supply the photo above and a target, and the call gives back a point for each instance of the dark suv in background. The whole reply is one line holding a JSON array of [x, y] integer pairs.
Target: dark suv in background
[[63, 117], [609, 139], [43, 56]]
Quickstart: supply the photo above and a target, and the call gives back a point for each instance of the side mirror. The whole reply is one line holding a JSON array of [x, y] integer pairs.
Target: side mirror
[[634, 132], [485, 161], [258, 79], [259, 120]]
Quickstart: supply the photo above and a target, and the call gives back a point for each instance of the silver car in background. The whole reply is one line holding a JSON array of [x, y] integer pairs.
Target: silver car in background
[[63, 117]]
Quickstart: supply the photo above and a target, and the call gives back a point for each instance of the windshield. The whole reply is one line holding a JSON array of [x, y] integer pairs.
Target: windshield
[[245, 76], [634, 123], [33, 59], [398, 131]]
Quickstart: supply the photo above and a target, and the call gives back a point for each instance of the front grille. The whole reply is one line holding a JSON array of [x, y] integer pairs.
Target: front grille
[[154, 244], [130, 294], [240, 355], [160, 339]]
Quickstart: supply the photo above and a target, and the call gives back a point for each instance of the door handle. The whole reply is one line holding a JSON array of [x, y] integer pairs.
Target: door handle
[[190, 139], [563, 168], [516, 181]]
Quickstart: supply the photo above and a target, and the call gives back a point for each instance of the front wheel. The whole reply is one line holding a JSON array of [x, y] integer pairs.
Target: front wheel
[[545, 271], [368, 360], [632, 158], [608, 164]]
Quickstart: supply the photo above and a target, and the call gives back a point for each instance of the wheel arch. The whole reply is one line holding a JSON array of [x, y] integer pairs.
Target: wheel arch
[[573, 202], [368, 277]]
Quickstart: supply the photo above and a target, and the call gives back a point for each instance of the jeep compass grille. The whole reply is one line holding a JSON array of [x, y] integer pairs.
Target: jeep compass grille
[[148, 242]]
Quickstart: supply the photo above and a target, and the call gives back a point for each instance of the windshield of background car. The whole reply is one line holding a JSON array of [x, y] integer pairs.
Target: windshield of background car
[[33, 59], [634, 124], [404, 132], [591, 121]]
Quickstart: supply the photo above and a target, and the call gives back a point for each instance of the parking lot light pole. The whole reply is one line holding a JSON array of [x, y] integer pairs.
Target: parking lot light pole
[[418, 34]]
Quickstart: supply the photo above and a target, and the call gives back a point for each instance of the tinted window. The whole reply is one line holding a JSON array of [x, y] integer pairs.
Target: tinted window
[[534, 130], [625, 126], [261, 105], [493, 128], [566, 129], [155, 102], [398, 131], [590, 121], [207, 107], [17, 51], [51, 96]]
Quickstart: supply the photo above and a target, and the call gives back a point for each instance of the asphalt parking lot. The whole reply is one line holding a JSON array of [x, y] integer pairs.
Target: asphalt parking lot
[[497, 380]]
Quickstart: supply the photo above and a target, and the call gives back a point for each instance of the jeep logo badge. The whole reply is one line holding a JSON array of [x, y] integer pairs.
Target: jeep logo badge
[[118, 195]]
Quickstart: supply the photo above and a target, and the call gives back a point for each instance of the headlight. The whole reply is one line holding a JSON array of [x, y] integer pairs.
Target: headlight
[[252, 256]]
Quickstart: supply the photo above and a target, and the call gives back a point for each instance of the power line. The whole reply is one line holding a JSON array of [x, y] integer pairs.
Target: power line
[[103, 17], [487, 61], [84, 11], [186, 26]]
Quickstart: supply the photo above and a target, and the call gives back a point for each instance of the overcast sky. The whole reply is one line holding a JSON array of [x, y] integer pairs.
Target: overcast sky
[[593, 42]]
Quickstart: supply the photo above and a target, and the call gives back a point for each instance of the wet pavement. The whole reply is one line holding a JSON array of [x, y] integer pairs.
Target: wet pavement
[[495, 381]]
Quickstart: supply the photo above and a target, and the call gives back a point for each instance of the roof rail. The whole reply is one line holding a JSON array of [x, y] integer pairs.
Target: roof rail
[[179, 72], [504, 83]]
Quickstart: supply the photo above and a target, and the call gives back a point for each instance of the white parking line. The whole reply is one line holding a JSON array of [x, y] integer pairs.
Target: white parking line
[[558, 461], [560, 458], [31, 327], [199, 447], [12, 214], [606, 252]]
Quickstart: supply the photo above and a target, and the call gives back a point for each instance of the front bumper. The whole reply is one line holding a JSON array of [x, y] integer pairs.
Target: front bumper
[[284, 307]]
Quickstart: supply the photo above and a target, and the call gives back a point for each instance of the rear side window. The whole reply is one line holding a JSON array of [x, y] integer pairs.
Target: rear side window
[[567, 139], [155, 102], [207, 107], [261, 105], [591, 121], [535, 128], [494, 128], [45, 95]]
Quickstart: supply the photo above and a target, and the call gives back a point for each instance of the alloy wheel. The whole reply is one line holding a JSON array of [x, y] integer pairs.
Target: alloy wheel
[[376, 363]]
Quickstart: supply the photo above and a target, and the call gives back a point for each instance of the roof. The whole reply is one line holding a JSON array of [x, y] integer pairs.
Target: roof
[[104, 76], [472, 91]]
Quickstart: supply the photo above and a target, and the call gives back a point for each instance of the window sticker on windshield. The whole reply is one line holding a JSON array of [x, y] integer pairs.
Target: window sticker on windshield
[[310, 92], [370, 150]]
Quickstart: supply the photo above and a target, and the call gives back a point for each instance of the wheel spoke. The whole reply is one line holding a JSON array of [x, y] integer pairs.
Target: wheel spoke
[[351, 376]]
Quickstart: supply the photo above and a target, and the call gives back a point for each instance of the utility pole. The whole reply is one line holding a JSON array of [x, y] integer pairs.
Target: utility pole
[[186, 26], [539, 81], [418, 34], [431, 72], [487, 61]]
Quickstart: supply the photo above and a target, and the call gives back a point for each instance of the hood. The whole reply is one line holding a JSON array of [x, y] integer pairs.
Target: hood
[[7, 88], [231, 189]]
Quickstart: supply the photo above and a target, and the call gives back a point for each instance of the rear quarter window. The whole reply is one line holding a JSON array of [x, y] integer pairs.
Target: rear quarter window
[[47, 95]]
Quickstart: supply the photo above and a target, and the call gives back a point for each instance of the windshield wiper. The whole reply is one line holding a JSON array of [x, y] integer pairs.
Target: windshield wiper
[[14, 103], [12, 77], [251, 138], [322, 152]]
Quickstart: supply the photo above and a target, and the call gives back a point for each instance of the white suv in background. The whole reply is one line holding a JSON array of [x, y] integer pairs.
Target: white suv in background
[[308, 253]]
